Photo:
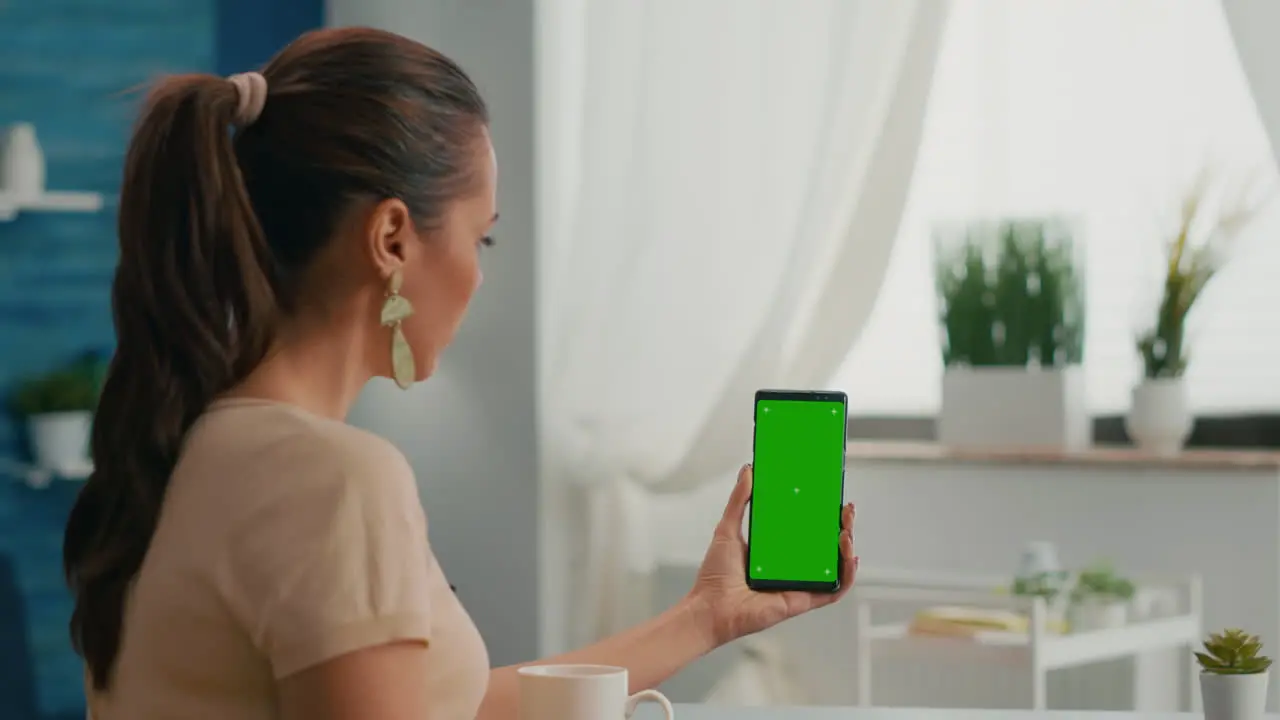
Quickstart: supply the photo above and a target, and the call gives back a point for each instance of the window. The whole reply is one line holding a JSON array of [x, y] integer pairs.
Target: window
[[1106, 111]]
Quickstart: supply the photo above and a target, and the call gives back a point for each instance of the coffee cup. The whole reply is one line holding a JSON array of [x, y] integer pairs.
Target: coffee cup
[[581, 692]]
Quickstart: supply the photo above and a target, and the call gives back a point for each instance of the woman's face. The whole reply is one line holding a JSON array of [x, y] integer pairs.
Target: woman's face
[[442, 270]]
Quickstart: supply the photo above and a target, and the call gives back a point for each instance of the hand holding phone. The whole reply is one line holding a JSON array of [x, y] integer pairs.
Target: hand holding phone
[[721, 596], [793, 542]]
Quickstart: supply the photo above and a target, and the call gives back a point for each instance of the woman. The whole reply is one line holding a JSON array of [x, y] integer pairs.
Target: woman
[[240, 551]]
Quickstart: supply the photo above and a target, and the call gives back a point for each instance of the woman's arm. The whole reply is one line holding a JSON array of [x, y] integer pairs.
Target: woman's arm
[[719, 609], [651, 652]]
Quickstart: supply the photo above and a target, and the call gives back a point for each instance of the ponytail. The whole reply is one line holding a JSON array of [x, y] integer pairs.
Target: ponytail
[[193, 306]]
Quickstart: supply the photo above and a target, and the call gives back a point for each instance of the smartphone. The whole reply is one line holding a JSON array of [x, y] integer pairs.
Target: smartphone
[[793, 536]]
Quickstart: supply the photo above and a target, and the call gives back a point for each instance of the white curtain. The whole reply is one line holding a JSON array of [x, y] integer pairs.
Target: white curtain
[[722, 183], [1253, 26]]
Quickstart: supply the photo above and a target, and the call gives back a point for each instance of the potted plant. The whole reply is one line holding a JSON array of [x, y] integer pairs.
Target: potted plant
[[1011, 301], [1049, 586], [1233, 676], [1100, 599], [1040, 574], [58, 410], [1160, 419]]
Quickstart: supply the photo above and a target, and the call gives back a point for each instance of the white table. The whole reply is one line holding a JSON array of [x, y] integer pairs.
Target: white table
[[708, 712]]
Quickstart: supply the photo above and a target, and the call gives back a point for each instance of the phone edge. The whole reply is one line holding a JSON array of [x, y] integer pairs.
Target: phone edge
[[802, 585]]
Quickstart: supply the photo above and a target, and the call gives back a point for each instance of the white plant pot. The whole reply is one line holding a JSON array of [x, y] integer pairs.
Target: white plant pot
[[60, 441], [1097, 614], [1233, 697], [1160, 418], [1014, 408], [22, 165]]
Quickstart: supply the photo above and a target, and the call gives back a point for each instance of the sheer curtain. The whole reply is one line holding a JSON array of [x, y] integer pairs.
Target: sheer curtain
[[723, 182], [1253, 26], [1104, 109]]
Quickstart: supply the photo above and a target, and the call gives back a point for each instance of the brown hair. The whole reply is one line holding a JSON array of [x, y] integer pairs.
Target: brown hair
[[217, 231]]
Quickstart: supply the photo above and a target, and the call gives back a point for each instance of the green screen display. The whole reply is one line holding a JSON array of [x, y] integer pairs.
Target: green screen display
[[798, 488]]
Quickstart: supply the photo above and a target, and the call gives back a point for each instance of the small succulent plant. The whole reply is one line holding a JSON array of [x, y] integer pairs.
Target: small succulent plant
[[1103, 583], [1233, 652], [1046, 585]]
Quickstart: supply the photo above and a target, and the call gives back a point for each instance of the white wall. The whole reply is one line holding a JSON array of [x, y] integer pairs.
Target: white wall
[[470, 431]]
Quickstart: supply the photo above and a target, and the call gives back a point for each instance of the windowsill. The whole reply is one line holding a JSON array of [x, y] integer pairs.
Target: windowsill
[[889, 451], [1255, 433]]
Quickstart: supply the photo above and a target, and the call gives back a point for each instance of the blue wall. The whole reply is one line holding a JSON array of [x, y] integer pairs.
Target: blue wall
[[63, 66], [251, 31]]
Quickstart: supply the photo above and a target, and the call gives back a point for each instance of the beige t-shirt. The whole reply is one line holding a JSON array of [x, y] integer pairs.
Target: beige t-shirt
[[286, 540]]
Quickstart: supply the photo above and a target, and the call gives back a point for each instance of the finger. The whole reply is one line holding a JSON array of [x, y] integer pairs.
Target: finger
[[736, 509], [848, 569], [847, 516]]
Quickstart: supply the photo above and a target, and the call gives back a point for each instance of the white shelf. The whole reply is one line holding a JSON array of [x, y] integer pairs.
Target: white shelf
[[1056, 651], [1169, 617], [38, 477], [52, 201]]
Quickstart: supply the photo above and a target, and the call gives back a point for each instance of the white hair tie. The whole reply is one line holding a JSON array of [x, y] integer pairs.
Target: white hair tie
[[252, 89]]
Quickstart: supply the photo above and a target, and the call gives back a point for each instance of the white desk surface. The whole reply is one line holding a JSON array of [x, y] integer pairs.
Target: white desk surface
[[648, 711]]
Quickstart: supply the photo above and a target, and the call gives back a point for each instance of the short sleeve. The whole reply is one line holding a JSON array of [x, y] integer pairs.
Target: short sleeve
[[333, 558]]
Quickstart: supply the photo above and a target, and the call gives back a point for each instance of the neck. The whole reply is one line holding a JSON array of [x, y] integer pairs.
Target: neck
[[321, 371]]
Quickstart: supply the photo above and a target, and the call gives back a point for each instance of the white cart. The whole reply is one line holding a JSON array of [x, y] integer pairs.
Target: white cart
[[946, 671]]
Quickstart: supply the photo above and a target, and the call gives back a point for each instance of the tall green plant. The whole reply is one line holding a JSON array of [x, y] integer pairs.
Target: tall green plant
[[1010, 295], [1196, 253]]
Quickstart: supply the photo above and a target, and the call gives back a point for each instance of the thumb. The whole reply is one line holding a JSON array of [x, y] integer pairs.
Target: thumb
[[736, 509]]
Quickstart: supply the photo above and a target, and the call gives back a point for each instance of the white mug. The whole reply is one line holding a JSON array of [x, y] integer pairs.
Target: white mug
[[581, 692]]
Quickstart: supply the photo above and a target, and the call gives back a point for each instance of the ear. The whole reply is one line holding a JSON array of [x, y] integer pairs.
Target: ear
[[388, 231]]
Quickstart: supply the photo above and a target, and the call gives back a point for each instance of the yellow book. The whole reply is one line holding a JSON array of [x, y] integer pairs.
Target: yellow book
[[968, 621]]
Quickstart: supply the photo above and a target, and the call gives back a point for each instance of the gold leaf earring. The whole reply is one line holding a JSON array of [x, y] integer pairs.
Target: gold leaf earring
[[394, 311]]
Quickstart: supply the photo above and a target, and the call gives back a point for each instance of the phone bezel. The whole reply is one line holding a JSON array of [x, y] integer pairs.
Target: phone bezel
[[802, 396]]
